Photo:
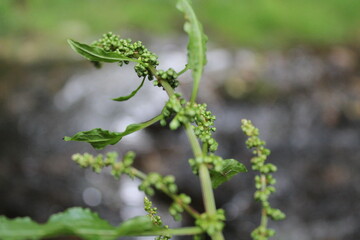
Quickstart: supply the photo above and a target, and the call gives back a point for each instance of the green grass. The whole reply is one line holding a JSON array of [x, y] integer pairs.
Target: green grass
[[280, 23], [265, 24]]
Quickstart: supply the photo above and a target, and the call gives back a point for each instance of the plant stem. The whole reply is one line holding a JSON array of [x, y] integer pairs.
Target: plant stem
[[207, 192], [264, 218], [193, 140], [175, 231], [184, 70], [205, 181], [152, 121], [169, 90]]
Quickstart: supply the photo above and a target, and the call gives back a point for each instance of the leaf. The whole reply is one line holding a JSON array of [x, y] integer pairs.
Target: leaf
[[75, 222], [231, 168], [97, 54], [99, 138], [197, 44], [124, 98], [83, 223], [19, 228], [136, 226]]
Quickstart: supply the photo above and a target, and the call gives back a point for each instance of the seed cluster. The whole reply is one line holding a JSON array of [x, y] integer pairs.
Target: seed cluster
[[211, 223], [176, 208], [204, 128], [188, 112], [155, 180], [264, 181], [166, 184], [136, 50], [97, 163], [156, 219], [213, 161], [169, 75]]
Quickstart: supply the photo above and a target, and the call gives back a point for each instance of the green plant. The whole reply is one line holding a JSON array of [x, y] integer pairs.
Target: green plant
[[198, 123]]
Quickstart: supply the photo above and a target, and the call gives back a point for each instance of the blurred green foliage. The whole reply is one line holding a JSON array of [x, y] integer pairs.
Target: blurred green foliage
[[26, 25]]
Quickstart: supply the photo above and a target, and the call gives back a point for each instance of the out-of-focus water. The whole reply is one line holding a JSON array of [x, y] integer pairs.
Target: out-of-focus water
[[305, 102]]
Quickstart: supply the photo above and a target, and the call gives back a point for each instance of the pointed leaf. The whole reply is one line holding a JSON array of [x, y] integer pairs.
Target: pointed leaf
[[124, 98], [74, 222], [97, 137], [97, 54], [197, 43], [100, 138], [231, 168]]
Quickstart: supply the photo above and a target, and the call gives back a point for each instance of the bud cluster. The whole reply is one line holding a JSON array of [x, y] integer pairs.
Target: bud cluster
[[97, 163], [263, 182], [136, 50], [188, 112], [205, 126], [211, 223], [176, 208], [155, 180], [166, 184], [169, 75], [156, 219], [213, 162]]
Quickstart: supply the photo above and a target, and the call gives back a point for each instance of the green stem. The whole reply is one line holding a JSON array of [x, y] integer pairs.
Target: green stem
[[205, 181], [264, 218], [139, 174], [205, 149], [195, 145], [184, 70], [112, 233], [175, 231], [152, 121], [207, 191], [169, 90], [204, 175]]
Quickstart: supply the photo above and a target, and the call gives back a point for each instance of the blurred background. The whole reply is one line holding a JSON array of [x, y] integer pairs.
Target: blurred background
[[292, 67]]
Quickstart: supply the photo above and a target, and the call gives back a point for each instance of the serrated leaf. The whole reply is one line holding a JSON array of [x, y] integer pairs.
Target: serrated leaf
[[196, 45], [230, 169], [19, 228], [124, 98], [97, 54], [73, 222], [99, 138]]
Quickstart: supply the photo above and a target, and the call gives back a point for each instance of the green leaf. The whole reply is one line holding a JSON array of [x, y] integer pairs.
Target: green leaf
[[82, 223], [97, 54], [197, 44], [124, 98], [74, 222], [137, 226], [19, 228], [100, 138], [97, 137], [231, 168]]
